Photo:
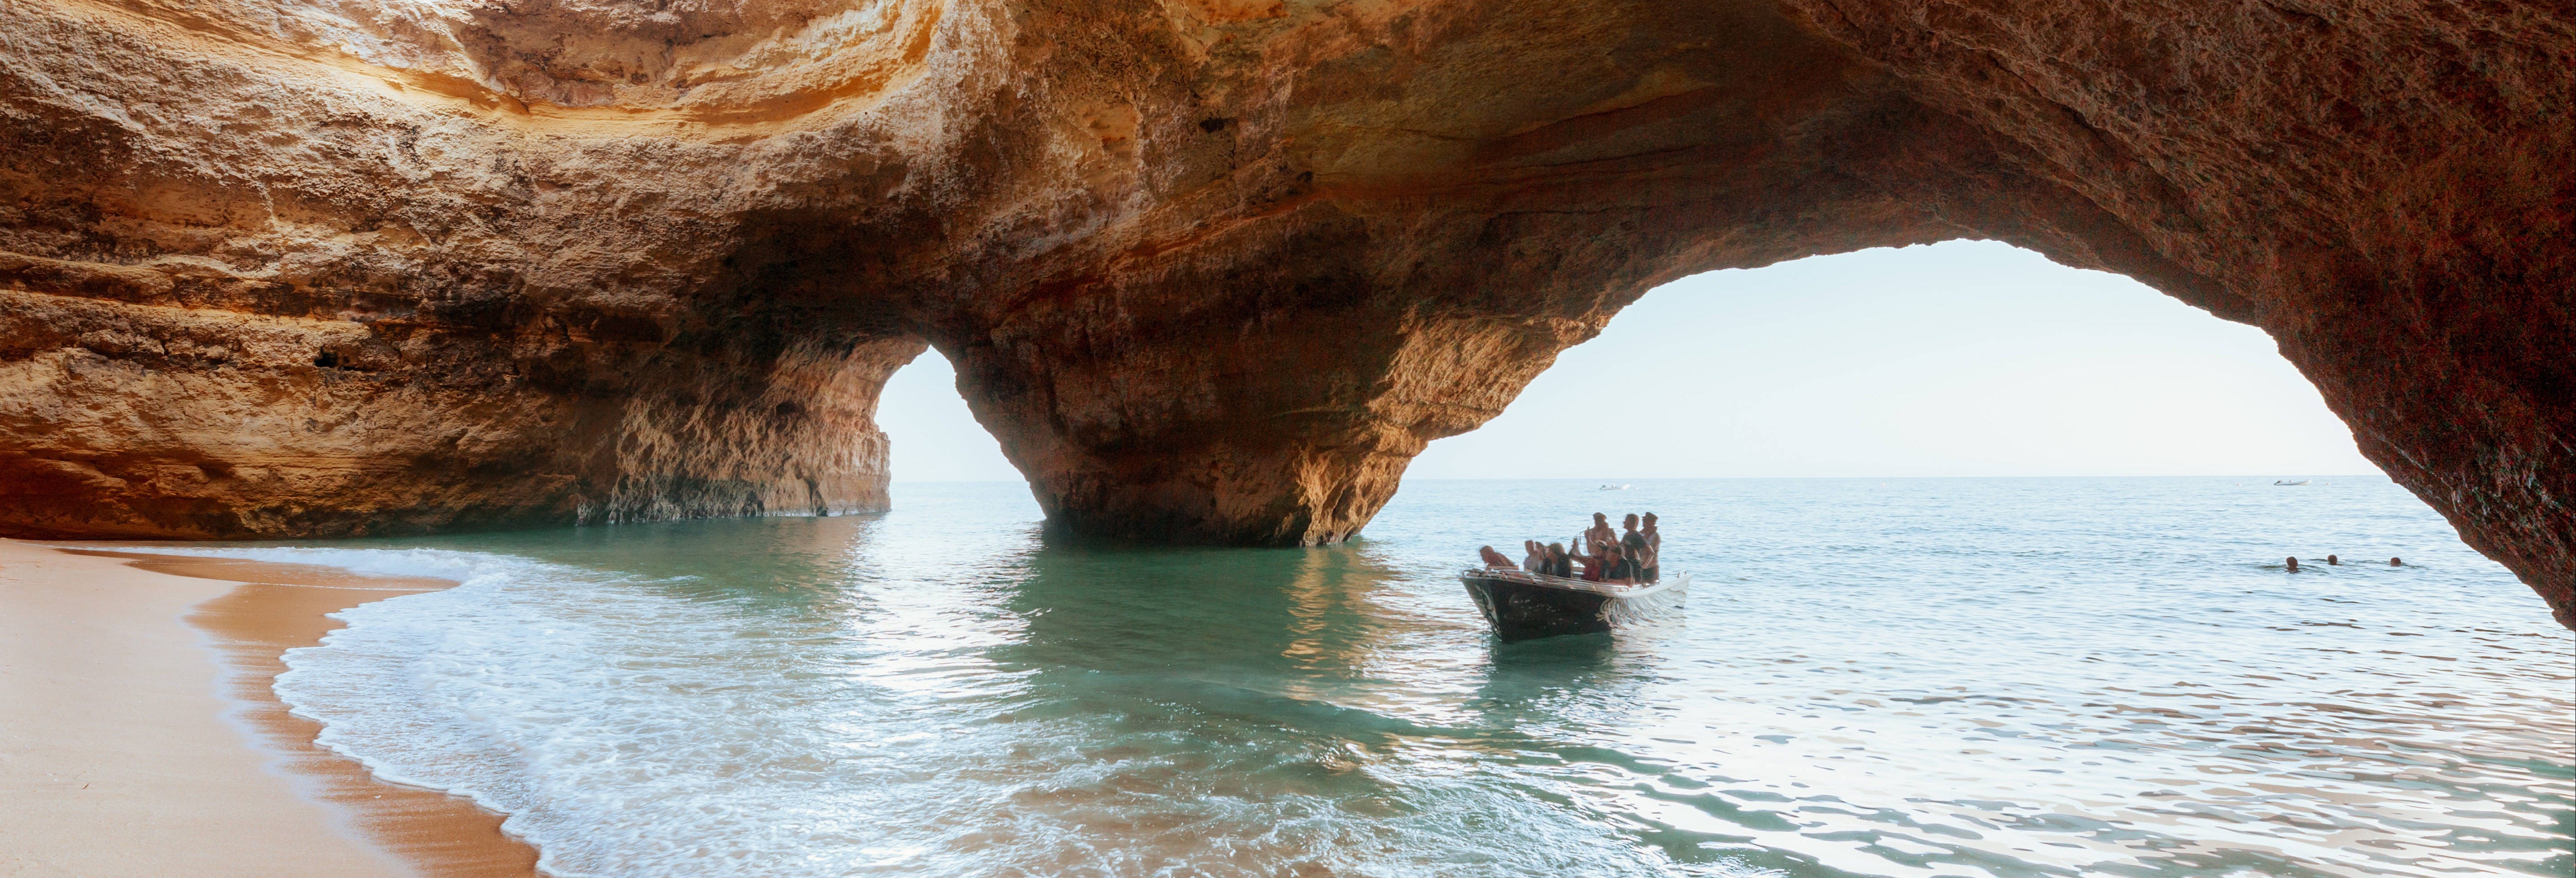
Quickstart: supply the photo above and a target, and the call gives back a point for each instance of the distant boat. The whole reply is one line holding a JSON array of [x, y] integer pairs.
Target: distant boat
[[1614, 487], [1525, 606], [2290, 482]]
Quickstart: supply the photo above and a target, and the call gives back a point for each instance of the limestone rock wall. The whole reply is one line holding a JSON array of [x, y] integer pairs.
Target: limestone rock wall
[[1212, 270]]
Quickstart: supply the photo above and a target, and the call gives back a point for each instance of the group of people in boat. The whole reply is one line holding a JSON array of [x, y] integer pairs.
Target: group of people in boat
[[1598, 555]]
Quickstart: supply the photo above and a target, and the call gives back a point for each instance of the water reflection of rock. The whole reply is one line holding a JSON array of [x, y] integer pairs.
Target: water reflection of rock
[[797, 558], [1281, 635], [1305, 639]]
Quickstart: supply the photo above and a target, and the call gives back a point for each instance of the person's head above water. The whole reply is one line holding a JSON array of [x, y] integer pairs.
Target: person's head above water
[[2294, 563], [2392, 562]]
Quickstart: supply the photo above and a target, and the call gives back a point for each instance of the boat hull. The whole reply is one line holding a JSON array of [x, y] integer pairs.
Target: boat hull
[[1524, 611], [1524, 607]]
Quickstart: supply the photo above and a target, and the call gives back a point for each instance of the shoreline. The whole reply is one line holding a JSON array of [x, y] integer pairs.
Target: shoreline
[[203, 759]]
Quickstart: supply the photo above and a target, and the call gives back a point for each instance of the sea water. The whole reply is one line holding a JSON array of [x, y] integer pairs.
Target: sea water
[[1874, 677]]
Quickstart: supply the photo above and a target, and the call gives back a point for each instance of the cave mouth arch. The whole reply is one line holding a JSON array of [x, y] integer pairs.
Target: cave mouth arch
[[1963, 358], [932, 436], [1884, 327]]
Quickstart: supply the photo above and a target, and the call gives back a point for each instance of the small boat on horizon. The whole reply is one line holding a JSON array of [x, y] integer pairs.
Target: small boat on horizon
[[1526, 606], [1614, 487], [2290, 482]]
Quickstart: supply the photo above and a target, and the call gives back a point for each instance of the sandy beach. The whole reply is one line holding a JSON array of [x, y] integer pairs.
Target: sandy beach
[[141, 737]]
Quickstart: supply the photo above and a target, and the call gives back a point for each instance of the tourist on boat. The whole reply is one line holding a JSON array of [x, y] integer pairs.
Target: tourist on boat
[[1620, 569], [1654, 550], [1634, 549], [1600, 532], [1558, 564], [1494, 560], [1534, 558], [1591, 562]]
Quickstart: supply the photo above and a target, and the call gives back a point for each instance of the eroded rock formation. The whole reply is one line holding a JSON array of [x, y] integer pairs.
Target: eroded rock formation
[[1212, 269]]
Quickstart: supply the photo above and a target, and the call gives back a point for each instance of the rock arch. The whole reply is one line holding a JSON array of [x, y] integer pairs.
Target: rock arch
[[1208, 268]]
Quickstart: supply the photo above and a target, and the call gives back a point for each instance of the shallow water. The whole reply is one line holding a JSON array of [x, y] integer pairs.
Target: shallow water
[[1901, 677]]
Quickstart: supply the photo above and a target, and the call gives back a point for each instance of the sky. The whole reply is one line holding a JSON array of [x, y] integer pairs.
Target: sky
[[1965, 358]]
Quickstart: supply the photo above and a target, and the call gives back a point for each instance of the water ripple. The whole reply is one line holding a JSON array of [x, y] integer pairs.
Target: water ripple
[[1906, 678]]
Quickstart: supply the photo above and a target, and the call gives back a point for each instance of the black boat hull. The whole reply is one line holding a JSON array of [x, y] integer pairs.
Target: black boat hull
[[1528, 611], [1524, 606]]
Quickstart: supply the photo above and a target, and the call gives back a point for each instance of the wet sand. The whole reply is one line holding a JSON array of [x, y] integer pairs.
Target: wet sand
[[141, 737]]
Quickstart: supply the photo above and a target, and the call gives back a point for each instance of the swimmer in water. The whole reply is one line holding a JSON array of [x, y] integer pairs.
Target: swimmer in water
[[2294, 563], [2392, 562], [2331, 561]]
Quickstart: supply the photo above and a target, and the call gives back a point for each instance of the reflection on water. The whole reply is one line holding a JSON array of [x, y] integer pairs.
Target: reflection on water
[[1951, 677]]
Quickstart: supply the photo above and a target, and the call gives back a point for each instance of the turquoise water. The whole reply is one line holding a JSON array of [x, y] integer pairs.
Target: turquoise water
[[1901, 677]]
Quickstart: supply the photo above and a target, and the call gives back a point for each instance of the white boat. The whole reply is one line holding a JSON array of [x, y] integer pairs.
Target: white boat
[[2290, 482], [1614, 487]]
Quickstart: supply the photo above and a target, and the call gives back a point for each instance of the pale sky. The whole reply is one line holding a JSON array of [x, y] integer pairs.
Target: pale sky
[[1964, 358]]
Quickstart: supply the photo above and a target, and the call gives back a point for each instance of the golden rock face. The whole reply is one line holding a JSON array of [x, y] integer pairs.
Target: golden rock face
[[1212, 270]]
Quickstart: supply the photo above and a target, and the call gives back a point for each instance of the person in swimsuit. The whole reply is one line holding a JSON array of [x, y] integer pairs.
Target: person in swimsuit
[[1533, 557], [1600, 532], [1494, 560], [1557, 562], [1654, 550]]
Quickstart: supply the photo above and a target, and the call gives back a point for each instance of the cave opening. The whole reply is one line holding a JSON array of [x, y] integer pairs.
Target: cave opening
[[1965, 358], [932, 436]]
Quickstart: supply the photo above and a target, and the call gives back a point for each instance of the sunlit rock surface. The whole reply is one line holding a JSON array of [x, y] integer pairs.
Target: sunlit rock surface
[[1212, 270]]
